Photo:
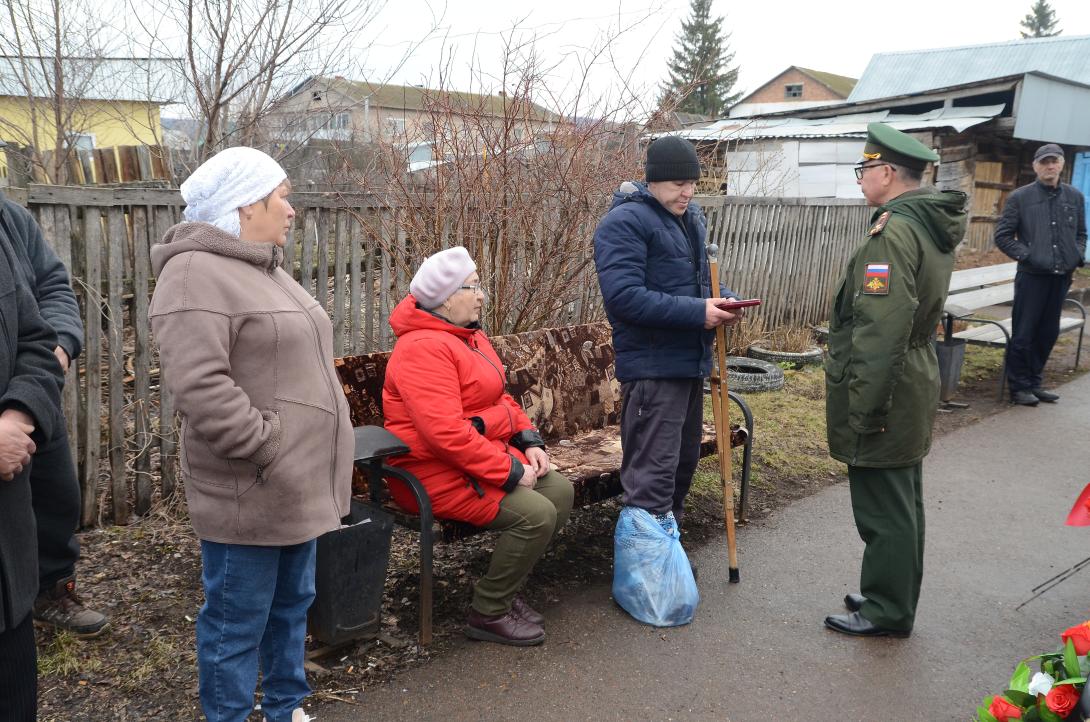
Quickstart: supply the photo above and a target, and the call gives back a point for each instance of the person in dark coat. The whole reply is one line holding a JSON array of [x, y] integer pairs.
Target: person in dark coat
[[30, 379], [882, 375], [471, 445], [656, 286], [1043, 227], [56, 489]]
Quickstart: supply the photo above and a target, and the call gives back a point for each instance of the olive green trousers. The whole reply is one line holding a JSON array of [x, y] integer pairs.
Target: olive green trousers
[[888, 507], [527, 522]]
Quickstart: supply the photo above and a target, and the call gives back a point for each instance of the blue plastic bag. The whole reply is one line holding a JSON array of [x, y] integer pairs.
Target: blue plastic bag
[[652, 579]]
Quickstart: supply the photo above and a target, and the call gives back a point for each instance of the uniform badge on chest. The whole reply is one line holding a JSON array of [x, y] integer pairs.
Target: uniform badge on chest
[[876, 279]]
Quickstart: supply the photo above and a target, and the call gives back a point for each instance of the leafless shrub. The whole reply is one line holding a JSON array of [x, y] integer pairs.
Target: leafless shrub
[[520, 186]]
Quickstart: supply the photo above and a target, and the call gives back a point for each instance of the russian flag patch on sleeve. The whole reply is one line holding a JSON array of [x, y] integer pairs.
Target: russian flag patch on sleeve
[[876, 279]]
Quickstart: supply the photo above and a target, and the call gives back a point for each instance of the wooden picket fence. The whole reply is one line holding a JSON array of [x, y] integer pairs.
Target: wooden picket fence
[[122, 423], [789, 252]]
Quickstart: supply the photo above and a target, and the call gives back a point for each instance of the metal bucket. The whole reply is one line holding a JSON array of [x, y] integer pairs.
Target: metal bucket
[[951, 353]]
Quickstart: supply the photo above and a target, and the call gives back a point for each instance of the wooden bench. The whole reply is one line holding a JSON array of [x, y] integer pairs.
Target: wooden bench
[[564, 379], [974, 289]]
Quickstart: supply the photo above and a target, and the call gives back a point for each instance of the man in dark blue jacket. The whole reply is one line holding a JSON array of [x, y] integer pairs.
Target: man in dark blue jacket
[[56, 490], [656, 287], [1043, 227]]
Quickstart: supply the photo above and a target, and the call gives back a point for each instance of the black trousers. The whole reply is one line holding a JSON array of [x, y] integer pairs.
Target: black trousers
[[55, 496], [19, 673], [1035, 325], [662, 421]]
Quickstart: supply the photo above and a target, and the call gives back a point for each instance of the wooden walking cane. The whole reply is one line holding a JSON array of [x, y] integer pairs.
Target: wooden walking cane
[[720, 412]]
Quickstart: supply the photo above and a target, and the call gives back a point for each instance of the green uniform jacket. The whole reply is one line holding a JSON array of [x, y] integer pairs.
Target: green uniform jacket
[[882, 376]]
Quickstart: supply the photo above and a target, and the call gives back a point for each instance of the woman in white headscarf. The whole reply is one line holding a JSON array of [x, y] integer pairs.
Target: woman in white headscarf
[[266, 442]]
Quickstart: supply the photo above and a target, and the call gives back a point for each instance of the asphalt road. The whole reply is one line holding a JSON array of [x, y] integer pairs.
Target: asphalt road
[[997, 496]]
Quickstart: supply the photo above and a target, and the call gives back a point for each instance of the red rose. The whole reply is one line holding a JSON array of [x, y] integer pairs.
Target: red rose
[[1003, 710], [1080, 636], [1061, 699]]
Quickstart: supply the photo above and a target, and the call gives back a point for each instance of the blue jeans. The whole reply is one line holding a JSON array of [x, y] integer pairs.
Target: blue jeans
[[255, 605]]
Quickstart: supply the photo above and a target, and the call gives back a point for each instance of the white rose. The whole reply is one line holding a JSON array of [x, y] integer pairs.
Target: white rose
[[1041, 683]]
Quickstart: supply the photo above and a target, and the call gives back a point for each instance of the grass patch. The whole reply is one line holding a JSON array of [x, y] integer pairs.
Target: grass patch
[[982, 362], [790, 453], [157, 655], [65, 655]]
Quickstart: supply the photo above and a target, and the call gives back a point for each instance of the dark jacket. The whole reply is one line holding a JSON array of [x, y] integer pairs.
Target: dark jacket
[[1044, 228], [882, 376], [30, 379], [38, 267], [445, 396], [653, 270]]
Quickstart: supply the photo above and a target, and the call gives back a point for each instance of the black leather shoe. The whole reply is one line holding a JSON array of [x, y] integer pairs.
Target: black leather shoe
[[857, 625], [1047, 396], [854, 602], [1023, 398]]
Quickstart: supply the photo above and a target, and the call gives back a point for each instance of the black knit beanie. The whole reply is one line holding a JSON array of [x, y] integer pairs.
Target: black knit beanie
[[670, 158]]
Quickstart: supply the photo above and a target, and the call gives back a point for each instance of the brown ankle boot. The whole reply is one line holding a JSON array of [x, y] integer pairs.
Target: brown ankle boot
[[507, 628], [61, 608], [520, 607]]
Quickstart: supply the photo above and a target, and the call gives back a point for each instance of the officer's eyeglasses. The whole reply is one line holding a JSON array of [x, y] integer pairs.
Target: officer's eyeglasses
[[860, 168]]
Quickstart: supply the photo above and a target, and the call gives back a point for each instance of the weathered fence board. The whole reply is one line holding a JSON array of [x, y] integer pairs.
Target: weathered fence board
[[121, 420]]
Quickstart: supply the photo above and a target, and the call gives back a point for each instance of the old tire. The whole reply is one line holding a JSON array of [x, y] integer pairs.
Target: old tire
[[752, 374], [814, 355]]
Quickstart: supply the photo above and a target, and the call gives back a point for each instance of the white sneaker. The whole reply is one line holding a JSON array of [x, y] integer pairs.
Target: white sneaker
[[298, 715]]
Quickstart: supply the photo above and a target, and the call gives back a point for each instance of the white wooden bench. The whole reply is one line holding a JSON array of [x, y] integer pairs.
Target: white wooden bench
[[974, 289]]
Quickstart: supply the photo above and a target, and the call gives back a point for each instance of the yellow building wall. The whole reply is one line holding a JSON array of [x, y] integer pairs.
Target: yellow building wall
[[114, 122]]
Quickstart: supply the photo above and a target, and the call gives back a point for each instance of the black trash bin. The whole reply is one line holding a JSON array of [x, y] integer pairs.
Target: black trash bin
[[349, 576]]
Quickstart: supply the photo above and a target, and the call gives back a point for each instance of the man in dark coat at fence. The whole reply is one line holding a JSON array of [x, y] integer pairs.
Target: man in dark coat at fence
[[56, 489], [30, 380], [656, 288], [882, 375], [1043, 227]]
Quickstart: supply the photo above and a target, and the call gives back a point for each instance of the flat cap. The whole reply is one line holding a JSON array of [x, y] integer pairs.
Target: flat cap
[[1047, 150], [893, 146]]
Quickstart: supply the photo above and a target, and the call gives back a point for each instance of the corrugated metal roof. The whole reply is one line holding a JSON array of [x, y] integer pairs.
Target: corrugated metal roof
[[840, 126], [152, 80], [915, 71]]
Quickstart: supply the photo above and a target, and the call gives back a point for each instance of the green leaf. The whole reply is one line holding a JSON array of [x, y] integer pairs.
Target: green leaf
[[1022, 699], [1070, 680], [983, 713], [1020, 678], [1031, 715], [1071, 660], [1048, 715]]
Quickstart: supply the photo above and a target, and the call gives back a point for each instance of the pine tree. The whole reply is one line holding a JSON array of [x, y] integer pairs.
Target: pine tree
[[700, 76], [1041, 21]]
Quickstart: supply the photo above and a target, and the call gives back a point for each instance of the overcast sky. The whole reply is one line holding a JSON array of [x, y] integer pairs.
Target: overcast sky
[[766, 36]]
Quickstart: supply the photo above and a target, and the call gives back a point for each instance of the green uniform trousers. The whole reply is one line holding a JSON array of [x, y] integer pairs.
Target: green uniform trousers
[[888, 507], [528, 520]]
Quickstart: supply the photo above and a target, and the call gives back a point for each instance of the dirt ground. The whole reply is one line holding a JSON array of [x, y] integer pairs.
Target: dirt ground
[[146, 576]]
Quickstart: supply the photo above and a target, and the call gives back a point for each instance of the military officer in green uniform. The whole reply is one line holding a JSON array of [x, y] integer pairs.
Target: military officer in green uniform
[[882, 377]]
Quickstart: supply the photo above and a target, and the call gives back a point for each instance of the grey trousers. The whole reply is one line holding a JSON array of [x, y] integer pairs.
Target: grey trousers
[[661, 425]]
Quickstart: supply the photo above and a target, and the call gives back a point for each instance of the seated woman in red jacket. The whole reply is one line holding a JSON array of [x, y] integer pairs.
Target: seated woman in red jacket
[[471, 445]]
